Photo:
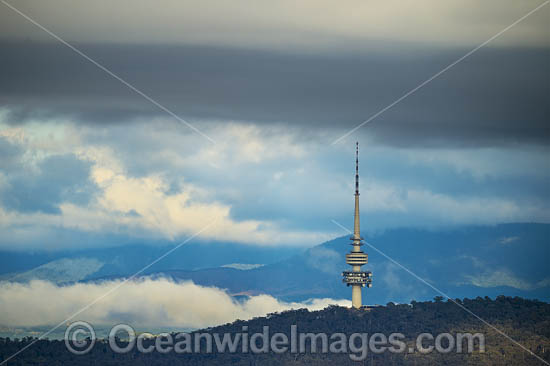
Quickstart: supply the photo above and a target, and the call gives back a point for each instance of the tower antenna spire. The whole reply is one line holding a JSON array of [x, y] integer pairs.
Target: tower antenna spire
[[356, 229], [357, 168]]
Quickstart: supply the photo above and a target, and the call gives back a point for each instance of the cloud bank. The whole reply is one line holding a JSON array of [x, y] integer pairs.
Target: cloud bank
[[147, 302], [148, 200], [498, 97], [155, 180]]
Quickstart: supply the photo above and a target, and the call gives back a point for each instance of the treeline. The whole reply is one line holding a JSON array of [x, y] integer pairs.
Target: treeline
[[525, 321]]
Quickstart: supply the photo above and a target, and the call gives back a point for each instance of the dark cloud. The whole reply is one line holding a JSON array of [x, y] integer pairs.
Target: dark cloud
[[55, 179], [497, 96]]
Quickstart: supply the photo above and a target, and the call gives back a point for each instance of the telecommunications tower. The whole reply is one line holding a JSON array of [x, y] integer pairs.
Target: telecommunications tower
[[356, 278]]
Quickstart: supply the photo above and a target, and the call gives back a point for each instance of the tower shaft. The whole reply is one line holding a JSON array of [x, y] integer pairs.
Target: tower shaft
[[356, 298]]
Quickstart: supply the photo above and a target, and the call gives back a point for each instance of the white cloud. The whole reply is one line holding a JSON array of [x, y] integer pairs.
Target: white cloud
[[169, 215], [147, 302], [143, 206], [242, 266]]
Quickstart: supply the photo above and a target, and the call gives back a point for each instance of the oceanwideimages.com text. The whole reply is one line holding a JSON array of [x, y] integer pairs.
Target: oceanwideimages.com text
[[80, 339]]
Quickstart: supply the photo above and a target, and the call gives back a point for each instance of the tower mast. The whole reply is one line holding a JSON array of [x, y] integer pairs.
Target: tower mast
[[356, 278], [356, 229]]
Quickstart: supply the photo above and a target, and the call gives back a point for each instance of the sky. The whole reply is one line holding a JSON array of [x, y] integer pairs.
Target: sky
[[267, 88]]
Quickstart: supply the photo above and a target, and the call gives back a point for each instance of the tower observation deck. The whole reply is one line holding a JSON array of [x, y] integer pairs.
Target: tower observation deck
[[356, 278]]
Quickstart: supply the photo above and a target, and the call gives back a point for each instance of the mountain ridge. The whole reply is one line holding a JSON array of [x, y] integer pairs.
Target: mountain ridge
[[470, 261]]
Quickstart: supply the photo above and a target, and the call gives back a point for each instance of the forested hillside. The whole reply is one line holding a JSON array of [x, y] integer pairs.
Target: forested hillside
[[525, 321]]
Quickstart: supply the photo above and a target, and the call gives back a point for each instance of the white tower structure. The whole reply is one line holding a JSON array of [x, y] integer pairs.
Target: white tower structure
[[356, 278]]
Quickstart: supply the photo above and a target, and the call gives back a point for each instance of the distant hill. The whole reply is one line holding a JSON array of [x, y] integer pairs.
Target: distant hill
[[470, 261], [112, 262], [525, 321]]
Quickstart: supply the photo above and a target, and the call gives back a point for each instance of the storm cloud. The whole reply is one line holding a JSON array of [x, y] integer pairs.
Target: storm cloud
[[498, 96]]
